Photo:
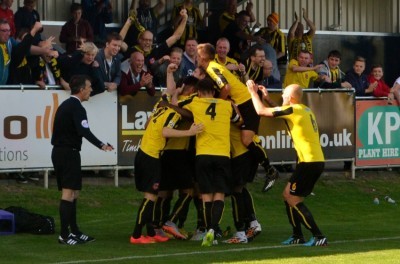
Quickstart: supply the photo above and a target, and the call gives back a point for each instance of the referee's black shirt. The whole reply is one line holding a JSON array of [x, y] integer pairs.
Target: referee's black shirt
[[71, 124]]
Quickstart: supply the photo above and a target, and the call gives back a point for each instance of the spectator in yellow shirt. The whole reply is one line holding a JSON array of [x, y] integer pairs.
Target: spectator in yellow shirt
[[299, 71]]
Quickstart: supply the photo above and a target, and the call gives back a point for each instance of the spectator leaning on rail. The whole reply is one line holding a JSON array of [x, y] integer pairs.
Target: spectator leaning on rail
[[47, 69], [376, 76], [20, 69], [82, 62], [7, 44], [299, 72], [135, 77], [382, 89], [109, 62], [358, 79], [330, 75]]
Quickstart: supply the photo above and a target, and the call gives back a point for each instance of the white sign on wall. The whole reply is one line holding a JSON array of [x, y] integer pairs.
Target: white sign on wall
[[26, 121]]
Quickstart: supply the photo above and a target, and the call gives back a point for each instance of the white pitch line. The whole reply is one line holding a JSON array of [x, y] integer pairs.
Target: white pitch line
[[217, 251]]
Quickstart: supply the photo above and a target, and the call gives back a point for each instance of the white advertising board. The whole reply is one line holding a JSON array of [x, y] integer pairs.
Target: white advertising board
[[26, 120]]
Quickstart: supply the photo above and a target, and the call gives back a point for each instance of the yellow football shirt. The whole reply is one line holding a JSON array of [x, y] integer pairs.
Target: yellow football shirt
[[237, 147], [180, 143], [301, 78], [153, 141], [222, 76], [228, 61], [215, 114], [303, 128]]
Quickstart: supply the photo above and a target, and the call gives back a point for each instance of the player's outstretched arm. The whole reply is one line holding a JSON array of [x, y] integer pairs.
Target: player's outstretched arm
[[258, 105]]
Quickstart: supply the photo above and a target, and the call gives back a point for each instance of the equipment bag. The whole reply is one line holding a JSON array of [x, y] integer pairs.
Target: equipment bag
[[28, 222]]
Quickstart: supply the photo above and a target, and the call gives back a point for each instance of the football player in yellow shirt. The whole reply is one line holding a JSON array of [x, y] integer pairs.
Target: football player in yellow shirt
[[229, 86], [148, 167], [213, 165], [303, 128]]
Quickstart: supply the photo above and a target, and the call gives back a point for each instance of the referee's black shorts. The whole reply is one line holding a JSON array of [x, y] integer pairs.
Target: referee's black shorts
[[304, 177], [147, 173], [251, 120], [67, 167]]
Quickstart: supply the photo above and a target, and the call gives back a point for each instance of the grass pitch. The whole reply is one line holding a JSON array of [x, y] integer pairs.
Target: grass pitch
[[358, 231]]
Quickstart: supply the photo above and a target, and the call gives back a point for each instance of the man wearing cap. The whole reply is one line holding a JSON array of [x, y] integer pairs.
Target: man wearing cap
[[273, 35], [275, 47]]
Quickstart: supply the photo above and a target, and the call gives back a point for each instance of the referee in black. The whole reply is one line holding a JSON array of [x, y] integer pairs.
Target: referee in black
[[70, 125]]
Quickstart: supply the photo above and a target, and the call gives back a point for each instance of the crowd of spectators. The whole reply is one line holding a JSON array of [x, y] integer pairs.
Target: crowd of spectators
[[140, 33]]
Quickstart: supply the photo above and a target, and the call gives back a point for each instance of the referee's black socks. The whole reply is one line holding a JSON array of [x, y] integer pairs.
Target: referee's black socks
[[66, 210]]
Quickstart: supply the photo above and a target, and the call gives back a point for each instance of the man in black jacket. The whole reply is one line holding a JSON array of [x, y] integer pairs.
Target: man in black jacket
[[70, 125]]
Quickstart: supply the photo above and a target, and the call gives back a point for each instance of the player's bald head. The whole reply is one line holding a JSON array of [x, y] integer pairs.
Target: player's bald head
[[295, 91]]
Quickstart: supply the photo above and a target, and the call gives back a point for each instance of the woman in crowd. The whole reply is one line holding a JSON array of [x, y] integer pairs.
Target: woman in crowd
[[83, 61]]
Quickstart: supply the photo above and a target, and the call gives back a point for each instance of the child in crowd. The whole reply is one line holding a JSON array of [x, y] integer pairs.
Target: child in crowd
[[376, 76]]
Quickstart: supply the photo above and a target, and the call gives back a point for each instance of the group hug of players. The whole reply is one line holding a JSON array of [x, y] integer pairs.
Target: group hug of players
[[201, 140]]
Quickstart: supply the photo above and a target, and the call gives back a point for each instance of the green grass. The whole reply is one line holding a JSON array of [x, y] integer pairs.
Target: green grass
[[358, 231]]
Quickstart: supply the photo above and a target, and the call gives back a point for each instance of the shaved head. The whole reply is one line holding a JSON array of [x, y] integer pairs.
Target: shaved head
[[296, 91]]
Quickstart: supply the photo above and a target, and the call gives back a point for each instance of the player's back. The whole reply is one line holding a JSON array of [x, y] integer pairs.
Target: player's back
[[215, 114]]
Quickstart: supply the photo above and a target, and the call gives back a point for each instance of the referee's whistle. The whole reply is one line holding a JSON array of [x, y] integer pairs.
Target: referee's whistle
[[108, 144]]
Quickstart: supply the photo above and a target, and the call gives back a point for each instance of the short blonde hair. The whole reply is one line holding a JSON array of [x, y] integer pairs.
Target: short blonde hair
[[207, 50], [360, 58], [89, 47]]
